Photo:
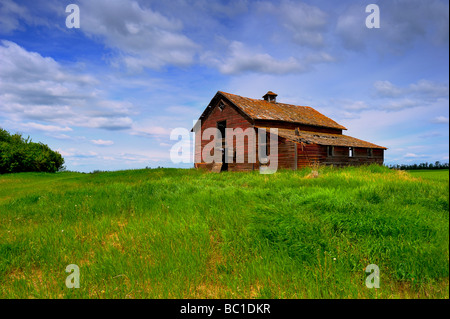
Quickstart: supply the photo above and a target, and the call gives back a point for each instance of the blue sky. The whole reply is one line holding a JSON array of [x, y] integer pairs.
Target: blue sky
[[108, 94]]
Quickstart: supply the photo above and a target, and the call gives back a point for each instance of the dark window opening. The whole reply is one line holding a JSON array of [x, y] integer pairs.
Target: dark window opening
[[221, 127], [369, 152], [330, 150]]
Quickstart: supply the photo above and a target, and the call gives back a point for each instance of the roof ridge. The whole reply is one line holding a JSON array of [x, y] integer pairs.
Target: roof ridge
[[262, 100], [261, 109]]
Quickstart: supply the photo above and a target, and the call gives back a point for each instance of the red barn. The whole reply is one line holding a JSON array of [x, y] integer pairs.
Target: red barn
[[305, 136]]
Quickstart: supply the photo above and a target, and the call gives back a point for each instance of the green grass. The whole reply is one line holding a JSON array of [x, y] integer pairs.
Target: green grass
[[173, 233], [438, 174]]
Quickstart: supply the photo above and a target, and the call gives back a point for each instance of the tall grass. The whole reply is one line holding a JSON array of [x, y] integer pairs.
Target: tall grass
[[173, 233]]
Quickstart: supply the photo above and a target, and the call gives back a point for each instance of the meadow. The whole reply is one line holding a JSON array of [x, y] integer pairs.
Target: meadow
[[183, 233]]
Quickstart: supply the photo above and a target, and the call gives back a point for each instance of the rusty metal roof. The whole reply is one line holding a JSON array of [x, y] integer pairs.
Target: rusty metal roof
[[324, 139], [265, 110]]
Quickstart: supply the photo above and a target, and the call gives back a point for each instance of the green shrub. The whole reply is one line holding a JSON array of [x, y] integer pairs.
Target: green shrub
[[21, 155]]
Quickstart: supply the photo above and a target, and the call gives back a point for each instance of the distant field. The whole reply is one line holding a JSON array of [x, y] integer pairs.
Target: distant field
[[174, 233], [438, 174]]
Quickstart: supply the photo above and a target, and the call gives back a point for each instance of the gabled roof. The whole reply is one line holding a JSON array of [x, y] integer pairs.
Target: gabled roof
[[325, 139], [275, 111]]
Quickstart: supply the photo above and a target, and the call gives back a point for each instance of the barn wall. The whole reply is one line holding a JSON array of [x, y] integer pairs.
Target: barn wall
[[234, 120], [341, 157], [310, 154], [286, 154]]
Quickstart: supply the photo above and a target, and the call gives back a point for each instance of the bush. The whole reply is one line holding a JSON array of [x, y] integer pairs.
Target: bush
[[21, 155]]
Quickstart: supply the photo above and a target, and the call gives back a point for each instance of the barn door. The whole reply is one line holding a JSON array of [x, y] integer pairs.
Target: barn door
[[221, 127]]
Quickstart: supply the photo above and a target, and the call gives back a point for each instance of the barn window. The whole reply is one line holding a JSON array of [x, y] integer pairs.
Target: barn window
[[369, 152], [221, 106], [351, 152], [330, 150], [265, 146]]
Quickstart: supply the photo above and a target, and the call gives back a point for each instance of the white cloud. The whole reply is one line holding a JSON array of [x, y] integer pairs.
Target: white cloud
[[387, 89], [422, 88], [349, 105], [440, 120], [108, 123], [150, 130], [431, 135], [165, 144], [350, 28], [413, 155], [50, 93], [102, 142], [46, 128], [144, 38], [402, 23], [429, 89], [72, 152], [242, 59], [10, 15], [420, 93], [395, 105], [305, 22]]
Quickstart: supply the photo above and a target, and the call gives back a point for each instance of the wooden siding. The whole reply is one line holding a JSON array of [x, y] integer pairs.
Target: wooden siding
[[309, 154], [286, 154], [234, 120]]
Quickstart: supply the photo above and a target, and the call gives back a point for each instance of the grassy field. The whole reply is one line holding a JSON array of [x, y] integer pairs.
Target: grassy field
[[173, 233]]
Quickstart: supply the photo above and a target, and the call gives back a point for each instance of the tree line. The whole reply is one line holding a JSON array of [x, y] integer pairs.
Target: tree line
[[426, 165], [19, 154]]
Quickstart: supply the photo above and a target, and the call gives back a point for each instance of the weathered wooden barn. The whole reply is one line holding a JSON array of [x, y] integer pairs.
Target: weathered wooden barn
[[305, 136]]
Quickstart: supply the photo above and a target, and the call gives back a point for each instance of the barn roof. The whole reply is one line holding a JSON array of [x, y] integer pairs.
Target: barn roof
[[265, 110], [325, 139]]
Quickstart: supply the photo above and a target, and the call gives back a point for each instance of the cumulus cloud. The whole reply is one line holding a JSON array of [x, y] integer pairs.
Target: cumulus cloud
[[396, 105], [10, 15], [401, 23], [72, 152], [350, 28], [413, 155], [424, 88], [440, 120], [387, 89], [350, 105], [48, 93], [306, 23], [46, 128], [152, 130], [242, 59], [102, 142], [420, 93], [142, 37], [429, 89]]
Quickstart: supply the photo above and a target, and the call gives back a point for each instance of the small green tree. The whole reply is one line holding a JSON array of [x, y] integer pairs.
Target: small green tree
[[22, 155]]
